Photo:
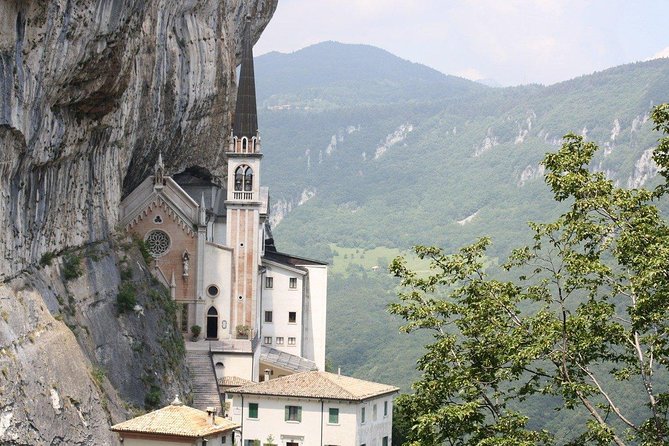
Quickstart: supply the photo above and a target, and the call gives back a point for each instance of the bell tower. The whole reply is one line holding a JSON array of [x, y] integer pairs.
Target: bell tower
[[243, 204]]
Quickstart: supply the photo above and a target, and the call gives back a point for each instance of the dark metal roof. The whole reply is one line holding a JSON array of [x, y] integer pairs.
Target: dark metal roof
[[288, 259], [246, 114]]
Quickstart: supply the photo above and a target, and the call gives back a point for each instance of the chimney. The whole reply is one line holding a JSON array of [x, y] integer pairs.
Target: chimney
[[211, 413], [268, 372], [339, 371]]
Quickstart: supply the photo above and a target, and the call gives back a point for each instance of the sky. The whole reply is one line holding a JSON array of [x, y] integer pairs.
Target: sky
[[509, 41]]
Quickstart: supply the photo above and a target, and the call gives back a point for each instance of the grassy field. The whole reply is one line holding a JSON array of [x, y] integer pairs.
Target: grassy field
[[376, 259]]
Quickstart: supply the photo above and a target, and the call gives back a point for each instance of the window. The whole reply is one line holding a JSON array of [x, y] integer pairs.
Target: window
[[374, 413], [279, 340], [251, 442], [268, 316], [291, 341], [292, 282], [385, 408], [158, 243], [223, 439], [244, 179], [384, 441], [269, 282], [212, 291], [292, 317], [362, 416], [253, 410], [294, 413], [267, 340], [333, 417]]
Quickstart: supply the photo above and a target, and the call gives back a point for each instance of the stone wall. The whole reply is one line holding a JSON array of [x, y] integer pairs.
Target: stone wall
[[90, 91]]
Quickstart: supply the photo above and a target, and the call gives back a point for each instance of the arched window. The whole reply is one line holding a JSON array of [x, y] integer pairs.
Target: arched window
[[244, 178], [245, 144]]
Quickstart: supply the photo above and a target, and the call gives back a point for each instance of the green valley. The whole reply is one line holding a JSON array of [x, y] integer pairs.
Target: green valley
[[369, 154]]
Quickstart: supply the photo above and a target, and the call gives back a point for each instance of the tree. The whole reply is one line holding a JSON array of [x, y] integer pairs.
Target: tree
[[585, 316]]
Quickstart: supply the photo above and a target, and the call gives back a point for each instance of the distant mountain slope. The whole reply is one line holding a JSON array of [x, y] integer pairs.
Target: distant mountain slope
[[332, 74], [363, 149]]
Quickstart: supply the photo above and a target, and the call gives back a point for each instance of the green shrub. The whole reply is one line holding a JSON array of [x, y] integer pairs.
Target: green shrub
[[152, 398], [46, 259], [98, 375], [195, 331], [126, 273], [72, 266], [144, 250], [126, 298]]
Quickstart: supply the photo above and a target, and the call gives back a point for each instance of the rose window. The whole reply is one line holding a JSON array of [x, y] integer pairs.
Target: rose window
[[157, 242]]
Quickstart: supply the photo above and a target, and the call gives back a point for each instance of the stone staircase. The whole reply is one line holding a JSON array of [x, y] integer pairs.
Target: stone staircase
[[203, 378]]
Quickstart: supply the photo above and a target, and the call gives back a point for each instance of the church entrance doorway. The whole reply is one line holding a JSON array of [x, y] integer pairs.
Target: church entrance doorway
[[212, 323]]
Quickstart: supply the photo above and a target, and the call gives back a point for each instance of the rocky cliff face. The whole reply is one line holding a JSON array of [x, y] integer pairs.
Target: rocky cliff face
[[90, 91]]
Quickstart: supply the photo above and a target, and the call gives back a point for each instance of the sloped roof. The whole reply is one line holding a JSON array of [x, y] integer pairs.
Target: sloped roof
[[318, 385], [178, 421], [285, 360], [288, 259]]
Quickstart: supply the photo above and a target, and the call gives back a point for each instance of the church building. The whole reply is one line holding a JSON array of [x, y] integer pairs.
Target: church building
[[261, 311]]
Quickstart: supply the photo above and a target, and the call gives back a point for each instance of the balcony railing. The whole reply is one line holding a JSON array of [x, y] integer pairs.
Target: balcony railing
[[243, 195]]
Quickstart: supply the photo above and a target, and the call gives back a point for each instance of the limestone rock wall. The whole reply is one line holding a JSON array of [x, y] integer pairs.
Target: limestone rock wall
[[71, 363], [90, 90]]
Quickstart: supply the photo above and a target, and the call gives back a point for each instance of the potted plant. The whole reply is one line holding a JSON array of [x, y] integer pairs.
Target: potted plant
[[195, 331], [243, 331]]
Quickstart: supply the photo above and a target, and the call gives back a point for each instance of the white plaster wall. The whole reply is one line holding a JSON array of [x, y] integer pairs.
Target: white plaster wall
[[219, 233], [217, 268], [281, 299], [315, 310], [234, 364], [373, 429], [343, 433], [214, 440], [348, 432]]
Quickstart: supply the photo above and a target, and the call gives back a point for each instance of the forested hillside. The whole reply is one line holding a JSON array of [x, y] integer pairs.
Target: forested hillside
[[367, 154]]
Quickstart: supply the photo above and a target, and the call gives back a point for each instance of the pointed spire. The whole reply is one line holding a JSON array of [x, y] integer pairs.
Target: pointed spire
[[203, 211], [159, 172], [246, 114]]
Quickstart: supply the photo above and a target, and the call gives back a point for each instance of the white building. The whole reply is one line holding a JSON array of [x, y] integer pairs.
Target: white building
[[212, 247], [314, 408]]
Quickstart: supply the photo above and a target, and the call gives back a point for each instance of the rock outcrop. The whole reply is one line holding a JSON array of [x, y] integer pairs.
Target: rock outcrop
[[90, 91]]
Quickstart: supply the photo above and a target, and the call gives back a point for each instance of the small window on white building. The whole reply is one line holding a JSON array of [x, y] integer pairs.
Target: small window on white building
[[374, 412], [253, 410], [292, 317], [333, 415], [294, 413], [267, 340], [291, 341], [292, 282], [362, 416], [279, 340], [384, 441], [385, 408], [268, 316], [212, 291], [269, 282]]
